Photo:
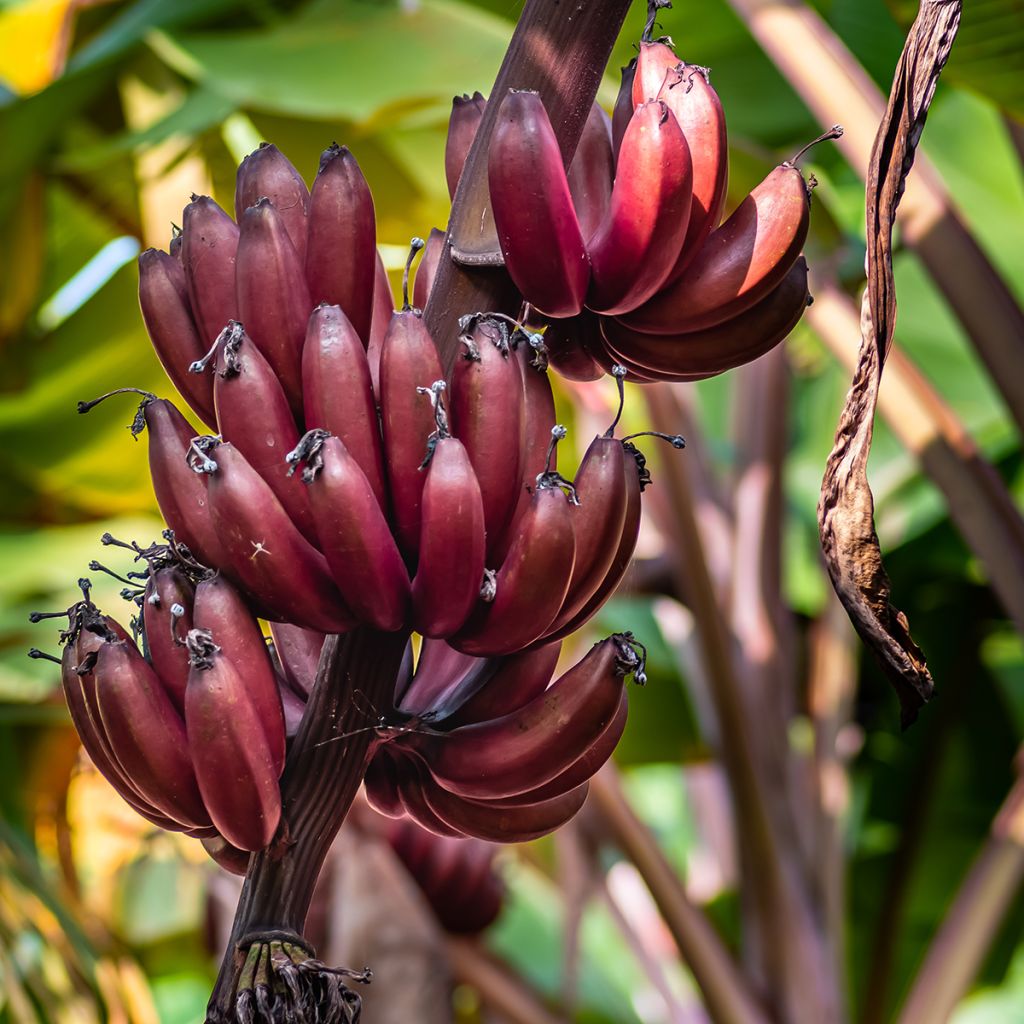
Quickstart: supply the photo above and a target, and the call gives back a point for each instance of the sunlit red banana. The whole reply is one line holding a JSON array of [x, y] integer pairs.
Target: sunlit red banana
[[592, 171], [408, 361], [500, 823], [532, 581], [569, 344], [146, 733], [298, 651], [353, 532], [513, 683], [268, 173], [687, 92], [463, 123], [209, 249], [450, 569], [167, 618], [624, 106], [163, 297], [254, 414], [486, 408], [333, 364], [427, 269], [538, 230], [227, 740], [342, 251], [261, 548], [220, 609], [707, 352], [740, 263], [180, 494], [273, 300], [654, 60], [637, 243], [529, 747]]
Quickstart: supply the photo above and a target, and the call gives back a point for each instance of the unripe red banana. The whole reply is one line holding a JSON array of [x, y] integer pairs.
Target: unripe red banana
[[529, 747], [486, 409], [637, 244], [268, 173], [408, 361], [273, 300], [261, 547], [342, 251], [254, 414], [598, 522], [224, 855], [220, 609], [334, 363], [167, 618], [517, 679], [427, 269], [655, 59], [704, 353], [298, 651], [592, 171], [538, 230], [624, 106], [180, 493], [208, 252], [568, 345], [412, 776], [353, 532], [531, 583], [383, 307], [463, 123], [146, 733], [442, 675], [452, 543], [688, 94], [740, 263], [163, 297], [381, 784], [227, 740], [499, 823]]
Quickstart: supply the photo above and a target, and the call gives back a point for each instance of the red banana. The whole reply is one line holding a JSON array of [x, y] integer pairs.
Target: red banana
[[341, 256], [411, 777], [226, 856], [514, 683], [298, 651], [167, 617], [208, 252], [539, 232], [653, 62], [462, 128], [687, 92], [636, 245], [262, 548], [529, 747], [381, 783], [146, 733], [450, 569], [227, 740], [163, 297], [592, 171], [486, 416], [569, 348], [353, 532], [531, 583], [624, 106], [383, 307], [441, 673], [715, 349], [254, 414], [221, 610], [268, 173], [273, 300], [334, 364], [428, 268]]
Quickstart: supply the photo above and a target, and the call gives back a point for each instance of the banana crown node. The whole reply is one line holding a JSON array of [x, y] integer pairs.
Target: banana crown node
[[138, 424]]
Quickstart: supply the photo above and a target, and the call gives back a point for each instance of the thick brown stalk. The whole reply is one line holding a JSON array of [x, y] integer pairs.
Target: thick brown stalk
[[559, 50], [973, 919], [323, 772], [725, 991], [797, 963], [499, 988], [978, 500], [836, 88]]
